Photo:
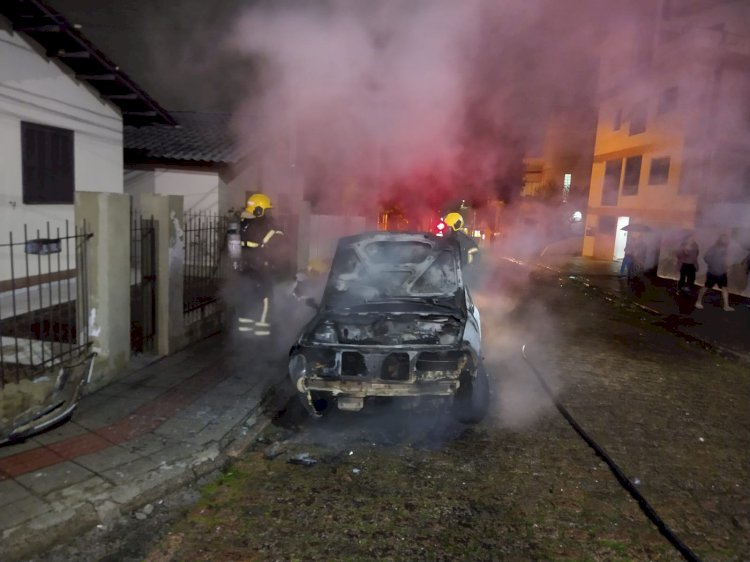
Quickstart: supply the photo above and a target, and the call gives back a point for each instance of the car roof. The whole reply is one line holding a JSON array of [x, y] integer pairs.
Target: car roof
[[393, 236]]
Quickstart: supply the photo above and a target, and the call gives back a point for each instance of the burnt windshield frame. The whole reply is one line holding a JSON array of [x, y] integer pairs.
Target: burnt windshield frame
[[354, 261]]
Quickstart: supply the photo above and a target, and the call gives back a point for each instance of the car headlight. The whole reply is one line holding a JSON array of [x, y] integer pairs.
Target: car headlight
[[297, 366], [325, 333]]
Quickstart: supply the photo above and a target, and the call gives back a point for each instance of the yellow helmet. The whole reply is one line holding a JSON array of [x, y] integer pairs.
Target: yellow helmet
[[257, 204], [454, 220]]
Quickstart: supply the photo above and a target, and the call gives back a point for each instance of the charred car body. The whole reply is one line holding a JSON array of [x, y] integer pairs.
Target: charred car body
[[395, 320]]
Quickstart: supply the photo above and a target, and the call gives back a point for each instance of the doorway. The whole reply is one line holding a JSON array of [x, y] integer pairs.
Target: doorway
[[621, 237]]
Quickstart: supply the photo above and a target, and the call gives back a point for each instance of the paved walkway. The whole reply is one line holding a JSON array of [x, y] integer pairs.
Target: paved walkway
[[726, 332], [153, 431]]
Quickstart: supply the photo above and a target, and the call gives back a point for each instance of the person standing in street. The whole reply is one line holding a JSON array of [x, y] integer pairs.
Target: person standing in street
[[716, 260], [687, 256], [635, 256], [627, 260]]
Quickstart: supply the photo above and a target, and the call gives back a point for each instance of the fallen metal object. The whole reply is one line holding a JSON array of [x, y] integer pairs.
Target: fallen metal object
[[32, 405], [303, 459]]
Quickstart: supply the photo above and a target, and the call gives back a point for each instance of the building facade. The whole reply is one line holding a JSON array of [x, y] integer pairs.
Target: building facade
[[673, 134], [63, 105]]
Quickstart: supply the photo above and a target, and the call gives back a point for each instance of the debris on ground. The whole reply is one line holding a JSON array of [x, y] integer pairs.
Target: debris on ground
[[303, 459], [273, 450]]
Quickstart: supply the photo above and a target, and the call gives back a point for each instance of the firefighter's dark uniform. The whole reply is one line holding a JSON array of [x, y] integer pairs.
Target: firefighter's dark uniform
[[260, 243], [469, 248]]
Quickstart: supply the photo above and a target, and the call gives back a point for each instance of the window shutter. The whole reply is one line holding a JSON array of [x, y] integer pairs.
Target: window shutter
[[48, 164]]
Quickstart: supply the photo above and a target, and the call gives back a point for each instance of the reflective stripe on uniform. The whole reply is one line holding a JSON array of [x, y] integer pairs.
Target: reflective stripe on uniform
[[270, 234], [266, 239], [265, 312]]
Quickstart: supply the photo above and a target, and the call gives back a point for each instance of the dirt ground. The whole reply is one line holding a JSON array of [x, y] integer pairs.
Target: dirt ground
[[402, 485], [396, 484]]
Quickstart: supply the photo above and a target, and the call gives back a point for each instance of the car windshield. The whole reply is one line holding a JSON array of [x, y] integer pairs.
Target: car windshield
[[392, 270]]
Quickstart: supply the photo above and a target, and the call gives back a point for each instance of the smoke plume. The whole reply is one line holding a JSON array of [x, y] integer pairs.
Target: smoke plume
[[420, 102]]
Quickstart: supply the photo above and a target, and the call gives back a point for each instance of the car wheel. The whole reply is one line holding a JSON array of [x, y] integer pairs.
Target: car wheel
[[472, 401]]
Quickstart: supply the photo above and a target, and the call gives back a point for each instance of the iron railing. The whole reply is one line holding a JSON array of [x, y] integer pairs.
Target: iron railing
[[205, 242], [143, 293], [43, 301]]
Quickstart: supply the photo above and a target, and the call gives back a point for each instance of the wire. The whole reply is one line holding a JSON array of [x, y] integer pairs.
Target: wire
[[624, 481]]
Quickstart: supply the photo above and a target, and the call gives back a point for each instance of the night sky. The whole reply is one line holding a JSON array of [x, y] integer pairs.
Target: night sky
[[151, 39]]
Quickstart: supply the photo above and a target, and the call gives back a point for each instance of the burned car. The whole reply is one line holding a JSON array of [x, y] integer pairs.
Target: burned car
[[395, 321]]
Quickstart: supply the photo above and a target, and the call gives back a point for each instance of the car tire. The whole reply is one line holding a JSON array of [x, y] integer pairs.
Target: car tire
[[472, 401]]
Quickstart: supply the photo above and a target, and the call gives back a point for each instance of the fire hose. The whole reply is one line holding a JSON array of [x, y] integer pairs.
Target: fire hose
[[624, 481]]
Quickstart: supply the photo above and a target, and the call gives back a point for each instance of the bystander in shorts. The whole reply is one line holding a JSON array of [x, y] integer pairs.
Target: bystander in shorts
[[719, 280]]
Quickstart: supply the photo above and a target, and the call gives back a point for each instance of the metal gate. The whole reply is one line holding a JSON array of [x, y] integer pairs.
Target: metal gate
[[142, 283], [46, 354], [43, 302], [205, 244]]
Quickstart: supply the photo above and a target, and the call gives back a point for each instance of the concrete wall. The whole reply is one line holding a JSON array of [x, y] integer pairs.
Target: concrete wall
[[170, 264], [107, 216], [325, 231], [38, 90]]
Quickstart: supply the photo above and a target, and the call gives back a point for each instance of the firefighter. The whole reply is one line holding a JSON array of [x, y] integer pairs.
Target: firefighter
[[260, 244], [469, 248]]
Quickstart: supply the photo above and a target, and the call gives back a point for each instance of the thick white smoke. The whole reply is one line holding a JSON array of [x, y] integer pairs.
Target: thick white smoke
[[422, 101]]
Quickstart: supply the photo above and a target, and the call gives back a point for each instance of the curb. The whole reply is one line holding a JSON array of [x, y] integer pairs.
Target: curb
[[726, 352]]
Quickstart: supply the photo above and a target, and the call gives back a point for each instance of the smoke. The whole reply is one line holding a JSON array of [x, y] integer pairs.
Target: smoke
[[422, 102]]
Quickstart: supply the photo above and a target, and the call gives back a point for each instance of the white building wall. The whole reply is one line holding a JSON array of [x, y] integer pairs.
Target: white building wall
[[139, 182], [38, 90], [202, 191]]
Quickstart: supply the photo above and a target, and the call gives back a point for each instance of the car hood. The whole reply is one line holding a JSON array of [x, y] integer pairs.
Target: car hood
[[422, 326]]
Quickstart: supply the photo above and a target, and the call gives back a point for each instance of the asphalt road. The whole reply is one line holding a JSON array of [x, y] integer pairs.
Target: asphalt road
[[389, 484]]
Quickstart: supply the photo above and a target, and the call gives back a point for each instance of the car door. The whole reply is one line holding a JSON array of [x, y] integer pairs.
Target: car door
[[473, 331]]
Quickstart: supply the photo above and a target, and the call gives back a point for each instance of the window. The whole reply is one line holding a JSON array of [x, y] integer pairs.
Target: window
[[47, 160], [659, 173], [612, 172], [668, 100], [618, 120], [632, 175], [638, 118]]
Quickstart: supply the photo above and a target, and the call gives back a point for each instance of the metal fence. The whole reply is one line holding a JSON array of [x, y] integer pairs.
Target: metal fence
[[43, 301], [143, 293], [205, 242]]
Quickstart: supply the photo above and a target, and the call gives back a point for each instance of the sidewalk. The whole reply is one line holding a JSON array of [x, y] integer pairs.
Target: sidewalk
[[725, 332], [157, 429]]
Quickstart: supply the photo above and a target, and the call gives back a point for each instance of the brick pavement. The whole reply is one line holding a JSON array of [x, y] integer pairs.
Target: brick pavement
[[155, 429]]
